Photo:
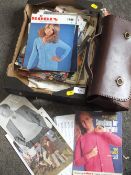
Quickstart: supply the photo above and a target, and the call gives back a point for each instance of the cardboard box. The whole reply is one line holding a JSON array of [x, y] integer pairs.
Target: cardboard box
[[20, 84]]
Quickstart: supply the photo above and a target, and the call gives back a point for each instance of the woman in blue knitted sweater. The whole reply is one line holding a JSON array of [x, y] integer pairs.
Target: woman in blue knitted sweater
[[45, 49]]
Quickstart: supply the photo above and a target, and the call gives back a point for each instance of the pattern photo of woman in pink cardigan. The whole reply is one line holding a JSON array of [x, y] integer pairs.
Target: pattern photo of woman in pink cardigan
[[92, 148]]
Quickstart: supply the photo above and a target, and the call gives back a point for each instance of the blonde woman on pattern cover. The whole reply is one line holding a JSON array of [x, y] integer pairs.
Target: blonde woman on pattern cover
[[45, 49]]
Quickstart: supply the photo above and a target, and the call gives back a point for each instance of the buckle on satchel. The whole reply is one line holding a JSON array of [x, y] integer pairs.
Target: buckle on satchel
[[127, 35], [119, 81]]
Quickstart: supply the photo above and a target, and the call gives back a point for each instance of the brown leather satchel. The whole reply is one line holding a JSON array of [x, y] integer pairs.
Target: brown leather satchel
[[110, 83]]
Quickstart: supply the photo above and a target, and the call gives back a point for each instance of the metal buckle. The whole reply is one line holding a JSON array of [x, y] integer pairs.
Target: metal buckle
[[119, 81], [127, 35]]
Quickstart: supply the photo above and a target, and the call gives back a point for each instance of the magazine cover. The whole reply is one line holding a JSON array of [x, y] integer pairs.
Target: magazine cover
[[35, 137], [98, 143], [50, 43]]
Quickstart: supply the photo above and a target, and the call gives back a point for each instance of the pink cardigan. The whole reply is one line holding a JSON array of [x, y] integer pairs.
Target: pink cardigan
[[102, 162]]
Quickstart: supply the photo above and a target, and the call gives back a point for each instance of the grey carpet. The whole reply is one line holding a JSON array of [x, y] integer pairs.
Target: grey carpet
[[11, 16]]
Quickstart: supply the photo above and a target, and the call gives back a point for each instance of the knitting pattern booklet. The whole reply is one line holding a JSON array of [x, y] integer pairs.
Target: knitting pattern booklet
[[35, 137], [98, 143], [50, 43]]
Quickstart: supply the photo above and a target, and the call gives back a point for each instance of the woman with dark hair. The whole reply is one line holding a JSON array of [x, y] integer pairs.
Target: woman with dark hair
[[92, 149], [53, 153], [45, 49]]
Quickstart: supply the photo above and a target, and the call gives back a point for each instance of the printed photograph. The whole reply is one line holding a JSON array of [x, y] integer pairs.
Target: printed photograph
[[48, 48], [38, 142], [98, 143]]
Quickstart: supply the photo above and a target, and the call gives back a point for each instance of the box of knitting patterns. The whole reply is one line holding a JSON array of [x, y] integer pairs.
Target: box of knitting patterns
[[98, 143], [50, 43]]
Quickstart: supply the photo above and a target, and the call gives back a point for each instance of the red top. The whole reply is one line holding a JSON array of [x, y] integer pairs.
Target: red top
[[102, 162]]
